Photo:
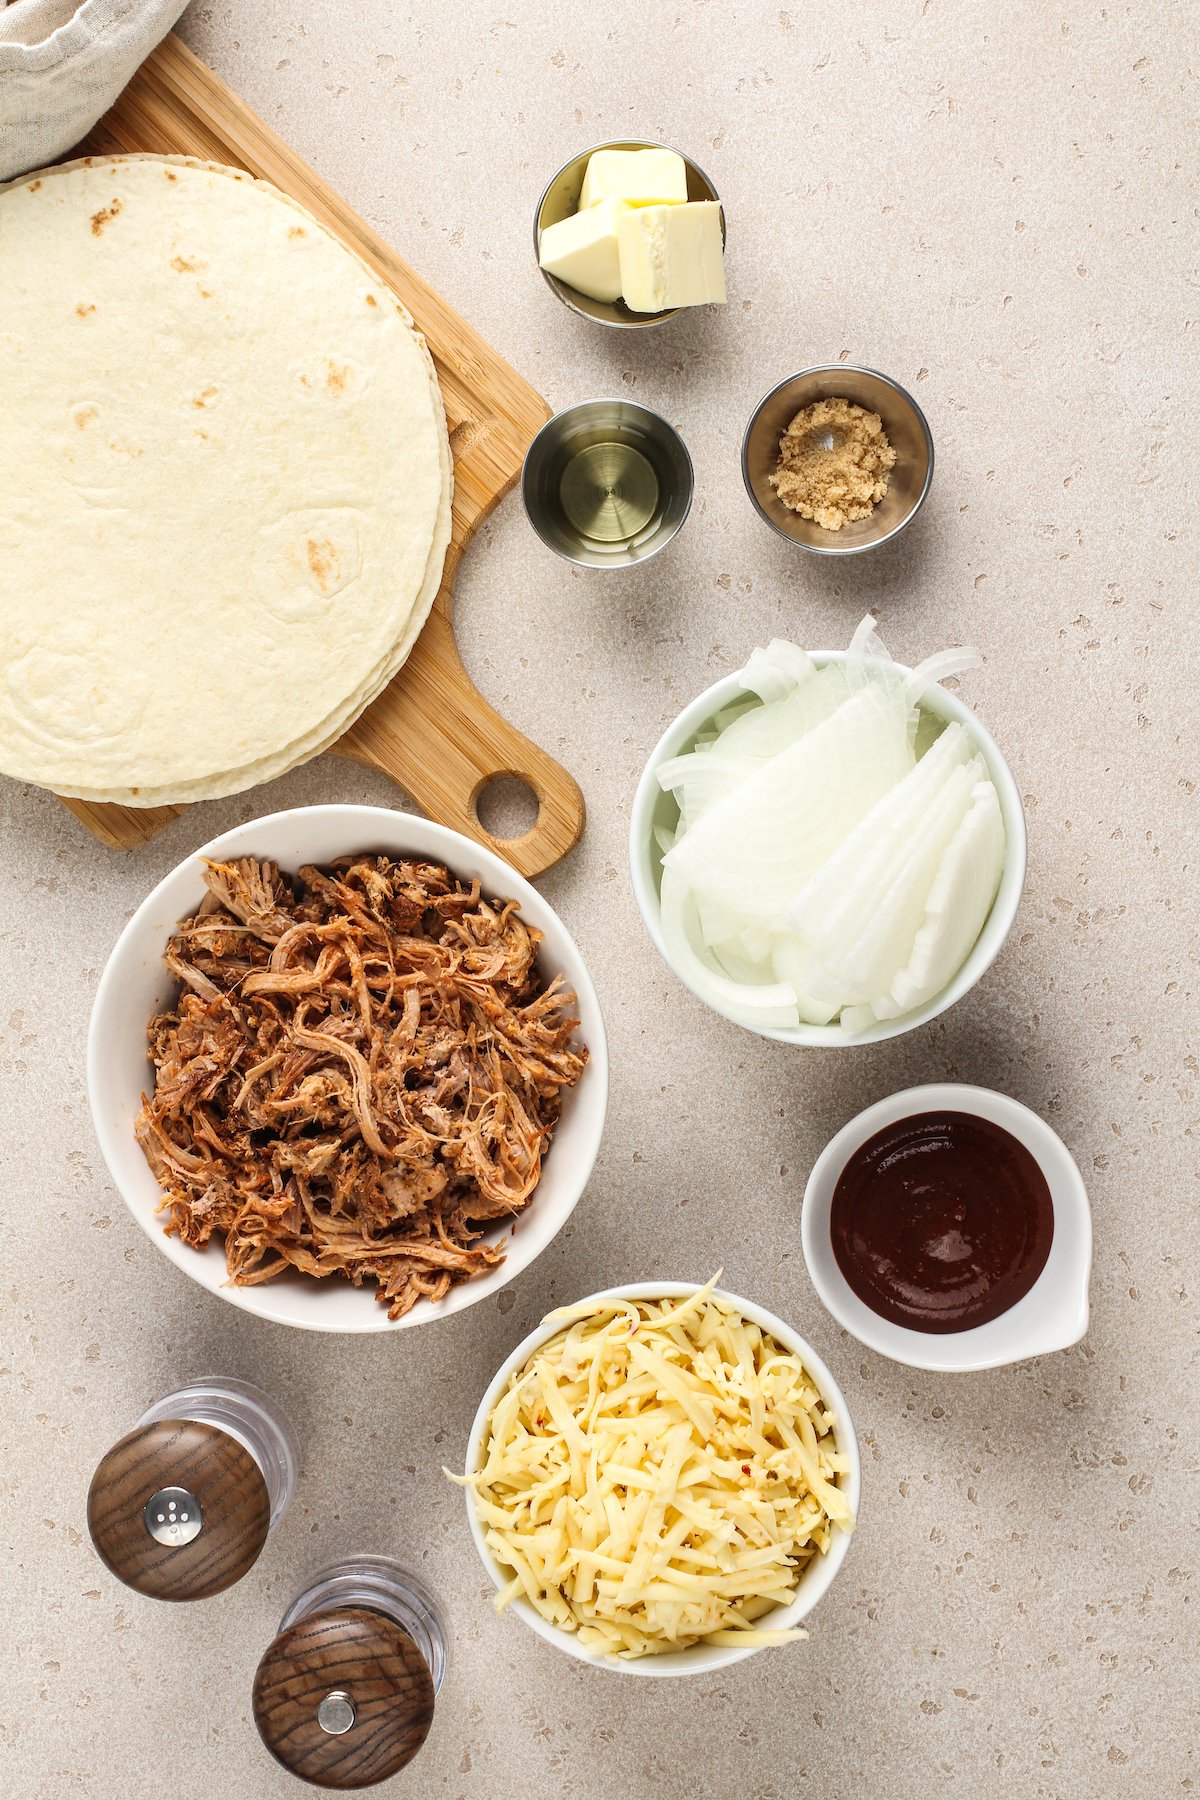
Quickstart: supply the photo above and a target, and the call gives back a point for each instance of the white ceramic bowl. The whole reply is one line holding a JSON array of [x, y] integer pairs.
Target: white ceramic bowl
[[135, 984], [700, 1659], [1053, 1315], [652, 807]]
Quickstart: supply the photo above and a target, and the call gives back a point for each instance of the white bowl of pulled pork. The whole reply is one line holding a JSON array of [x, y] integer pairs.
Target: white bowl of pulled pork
[[347, 1069]]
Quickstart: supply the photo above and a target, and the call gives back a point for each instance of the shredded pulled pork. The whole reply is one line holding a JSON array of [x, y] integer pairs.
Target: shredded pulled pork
[[362, 1072]]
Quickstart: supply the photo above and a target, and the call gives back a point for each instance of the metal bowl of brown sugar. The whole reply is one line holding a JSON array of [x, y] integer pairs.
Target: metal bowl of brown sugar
[[904, 425]]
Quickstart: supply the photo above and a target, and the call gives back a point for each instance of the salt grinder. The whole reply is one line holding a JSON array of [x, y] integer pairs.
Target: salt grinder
[[344, 1696], [180, 1508]]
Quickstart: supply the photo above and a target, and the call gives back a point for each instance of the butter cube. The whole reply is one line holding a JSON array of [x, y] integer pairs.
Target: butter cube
[[639, 177], [582, 251], [671, 256]]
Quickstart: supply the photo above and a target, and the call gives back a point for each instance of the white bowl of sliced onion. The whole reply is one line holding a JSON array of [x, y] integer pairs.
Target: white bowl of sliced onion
[[662, 1479], [829, 849]]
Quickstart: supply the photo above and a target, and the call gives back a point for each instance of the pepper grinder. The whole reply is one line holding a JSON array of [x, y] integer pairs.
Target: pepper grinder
[[180, 1508], [344, 1695]]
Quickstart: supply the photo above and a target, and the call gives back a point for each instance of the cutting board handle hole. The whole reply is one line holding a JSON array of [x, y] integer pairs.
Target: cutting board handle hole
[[507, 806]]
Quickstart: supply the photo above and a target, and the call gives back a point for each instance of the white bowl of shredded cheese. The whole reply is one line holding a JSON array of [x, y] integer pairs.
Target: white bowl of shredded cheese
[[662, 1479]]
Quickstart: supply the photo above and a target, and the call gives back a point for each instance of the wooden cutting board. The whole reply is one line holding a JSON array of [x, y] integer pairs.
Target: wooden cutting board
[[430, 730]]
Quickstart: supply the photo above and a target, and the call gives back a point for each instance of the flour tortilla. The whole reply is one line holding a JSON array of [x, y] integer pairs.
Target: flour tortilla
[[233, 521]]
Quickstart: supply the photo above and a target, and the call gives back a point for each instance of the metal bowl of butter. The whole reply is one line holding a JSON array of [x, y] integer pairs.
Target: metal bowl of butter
[[907, 430], [560, 200]]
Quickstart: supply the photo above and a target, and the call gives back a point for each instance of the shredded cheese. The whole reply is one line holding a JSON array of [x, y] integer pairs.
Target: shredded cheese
[[659, 1474]]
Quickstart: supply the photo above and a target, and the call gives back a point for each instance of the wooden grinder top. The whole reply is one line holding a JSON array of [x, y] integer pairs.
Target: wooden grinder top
[[343, 1698], [142, 1514]]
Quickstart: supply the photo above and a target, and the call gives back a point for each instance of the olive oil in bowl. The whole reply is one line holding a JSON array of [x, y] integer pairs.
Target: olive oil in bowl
[[607, 483]]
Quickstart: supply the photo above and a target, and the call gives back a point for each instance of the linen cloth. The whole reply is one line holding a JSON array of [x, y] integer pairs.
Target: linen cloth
[[62, 64]]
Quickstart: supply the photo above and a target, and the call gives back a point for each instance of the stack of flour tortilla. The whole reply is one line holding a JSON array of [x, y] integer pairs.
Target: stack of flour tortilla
[[228, 481]]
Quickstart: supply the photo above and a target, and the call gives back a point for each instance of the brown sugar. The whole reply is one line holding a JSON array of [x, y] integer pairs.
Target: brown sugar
[[834, 462]]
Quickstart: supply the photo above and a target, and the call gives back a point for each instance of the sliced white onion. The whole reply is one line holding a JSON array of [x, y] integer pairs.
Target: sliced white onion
[[757, 944], [789, 958], [702, 778], [767, 730], [857, 1018], [773, 673], [959, 902], [866, 644], [856, 969], [755, 849], [839, 898], [939, 667], [733, 959], [771, 1004], [719, 925], [838, 849]]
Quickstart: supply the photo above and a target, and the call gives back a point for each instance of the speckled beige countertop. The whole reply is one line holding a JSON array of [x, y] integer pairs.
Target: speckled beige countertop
[[995, 205]]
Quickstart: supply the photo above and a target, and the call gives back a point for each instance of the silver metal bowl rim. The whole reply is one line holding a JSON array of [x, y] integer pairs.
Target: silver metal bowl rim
[[838, 549], [556, 287], [649, 413]]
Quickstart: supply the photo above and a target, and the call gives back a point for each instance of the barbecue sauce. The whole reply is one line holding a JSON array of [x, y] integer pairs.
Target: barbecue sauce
[[941, 1222]]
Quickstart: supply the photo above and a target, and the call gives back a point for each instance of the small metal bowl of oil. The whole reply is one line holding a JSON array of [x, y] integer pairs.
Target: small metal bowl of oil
[[607, 483], [560, 200], [907, 430]]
